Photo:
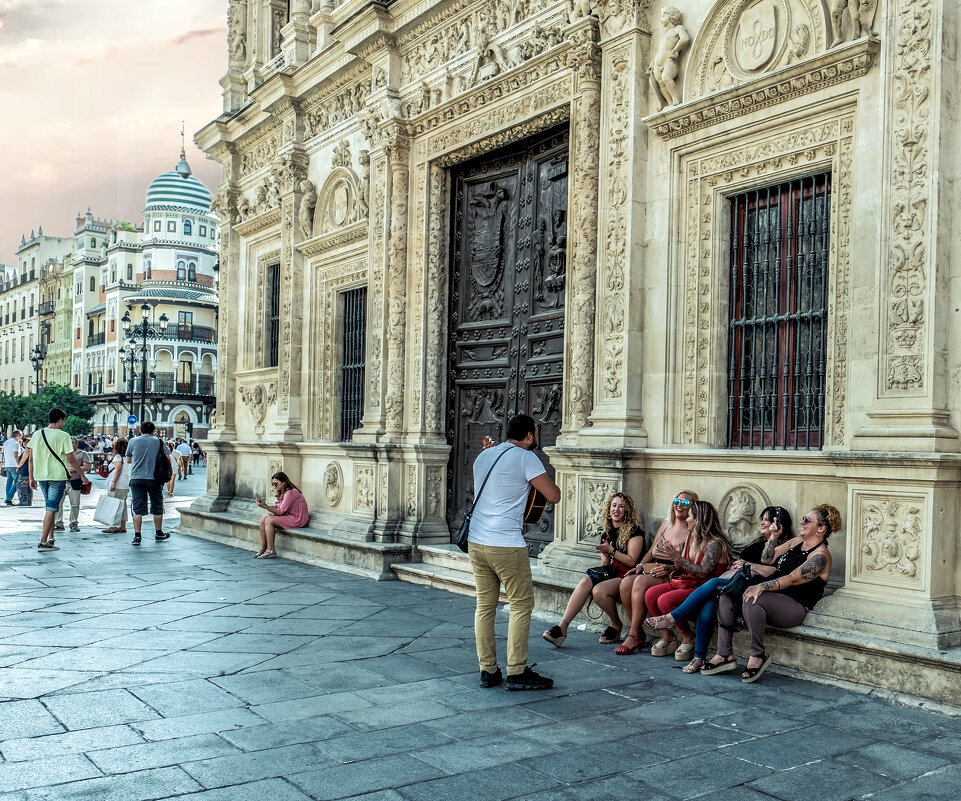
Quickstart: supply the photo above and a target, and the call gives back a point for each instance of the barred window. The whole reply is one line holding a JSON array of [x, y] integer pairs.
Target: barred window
[[354, 361], [273, 321], [778, 314]]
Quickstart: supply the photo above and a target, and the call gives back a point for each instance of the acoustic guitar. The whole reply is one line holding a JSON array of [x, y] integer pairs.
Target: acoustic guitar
[[535, 500]]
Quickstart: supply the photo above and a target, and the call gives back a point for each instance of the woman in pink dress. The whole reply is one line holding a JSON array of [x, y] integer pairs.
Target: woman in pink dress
[[290, 511]]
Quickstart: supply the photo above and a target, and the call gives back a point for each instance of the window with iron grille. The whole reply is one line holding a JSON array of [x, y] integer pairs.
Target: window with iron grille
[[778, 314], [354, 361], [273, 322]]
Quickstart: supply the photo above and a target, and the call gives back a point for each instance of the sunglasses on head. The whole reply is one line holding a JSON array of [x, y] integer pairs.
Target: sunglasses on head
[[682, 502]]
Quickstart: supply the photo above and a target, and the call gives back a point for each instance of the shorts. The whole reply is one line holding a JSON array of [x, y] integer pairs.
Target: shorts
[[52, 494], [140, 490]]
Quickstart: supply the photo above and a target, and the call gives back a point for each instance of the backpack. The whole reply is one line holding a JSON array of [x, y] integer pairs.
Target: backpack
[[162, 470]]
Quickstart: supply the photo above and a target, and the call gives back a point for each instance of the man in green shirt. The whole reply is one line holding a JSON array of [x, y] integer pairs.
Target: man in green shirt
[[49, 449]]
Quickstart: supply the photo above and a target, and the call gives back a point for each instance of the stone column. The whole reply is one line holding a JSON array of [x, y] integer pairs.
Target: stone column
[[234, 84], [298, 35], [584, 59], [616, 420]]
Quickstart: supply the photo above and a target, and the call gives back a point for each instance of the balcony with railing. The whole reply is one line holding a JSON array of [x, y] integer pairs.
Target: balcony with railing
[[47, 307], [96, 339], [172, 384]]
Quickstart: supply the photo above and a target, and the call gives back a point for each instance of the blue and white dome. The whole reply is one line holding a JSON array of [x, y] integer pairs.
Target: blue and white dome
[[171, 191]]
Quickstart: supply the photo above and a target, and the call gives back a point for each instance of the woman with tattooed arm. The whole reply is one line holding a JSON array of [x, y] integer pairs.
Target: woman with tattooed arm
[[803, 566]]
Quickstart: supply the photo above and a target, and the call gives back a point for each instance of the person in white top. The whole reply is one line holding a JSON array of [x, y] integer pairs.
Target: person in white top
[[498, 553], [118, 483], [12, 449], [183, 464]]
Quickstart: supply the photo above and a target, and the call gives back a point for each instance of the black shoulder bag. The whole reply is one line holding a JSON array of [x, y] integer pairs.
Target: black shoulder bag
[[74, 482], [461, 539], [162, 470]]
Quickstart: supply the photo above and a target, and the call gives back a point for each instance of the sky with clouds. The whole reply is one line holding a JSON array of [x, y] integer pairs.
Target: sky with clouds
[[92, 93]]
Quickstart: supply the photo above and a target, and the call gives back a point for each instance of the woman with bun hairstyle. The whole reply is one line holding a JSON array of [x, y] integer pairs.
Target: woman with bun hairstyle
[[702, 603], [802, 568], [620, 547]]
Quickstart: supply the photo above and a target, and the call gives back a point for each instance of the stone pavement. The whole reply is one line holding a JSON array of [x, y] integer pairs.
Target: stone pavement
[[189, 670]]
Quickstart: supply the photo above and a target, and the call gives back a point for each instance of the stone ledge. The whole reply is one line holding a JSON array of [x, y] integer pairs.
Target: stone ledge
[[329, 549]]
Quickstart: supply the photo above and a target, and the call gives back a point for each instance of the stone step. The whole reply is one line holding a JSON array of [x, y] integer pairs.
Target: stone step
[[447, 556]]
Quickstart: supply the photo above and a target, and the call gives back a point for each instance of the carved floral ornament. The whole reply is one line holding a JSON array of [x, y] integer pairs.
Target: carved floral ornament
[[891, 534]]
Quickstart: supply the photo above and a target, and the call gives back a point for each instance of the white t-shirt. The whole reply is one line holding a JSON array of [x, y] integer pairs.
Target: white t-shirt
[[184, 449], [11, 452], [499, 516], [123, 482]]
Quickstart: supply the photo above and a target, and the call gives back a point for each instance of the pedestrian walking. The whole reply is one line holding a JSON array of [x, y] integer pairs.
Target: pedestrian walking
[[142, 453], [184, 467], [50, 453], [196, 453], [118, 483], [174, 466], [24, 493], [74, 493], [498, 553], [12, 450]]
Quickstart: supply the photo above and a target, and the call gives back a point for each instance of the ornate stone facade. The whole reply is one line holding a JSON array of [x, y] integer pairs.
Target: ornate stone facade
[[343, 169]]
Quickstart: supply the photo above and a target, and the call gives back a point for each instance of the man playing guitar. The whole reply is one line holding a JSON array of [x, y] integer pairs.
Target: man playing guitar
[[498, 552]]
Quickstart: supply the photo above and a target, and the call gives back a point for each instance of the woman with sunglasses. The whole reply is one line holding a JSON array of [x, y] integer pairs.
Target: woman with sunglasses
[[802, 568], [620, 547], [653, 569], [702, 602], [290, 511]]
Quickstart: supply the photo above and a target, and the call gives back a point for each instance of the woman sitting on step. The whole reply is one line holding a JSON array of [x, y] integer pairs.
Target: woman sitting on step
[[290, 511], [702, 603], [802, 568], [620, 547]]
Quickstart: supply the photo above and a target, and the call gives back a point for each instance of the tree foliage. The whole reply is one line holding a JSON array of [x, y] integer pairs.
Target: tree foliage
[[76, 426], [19, 411]]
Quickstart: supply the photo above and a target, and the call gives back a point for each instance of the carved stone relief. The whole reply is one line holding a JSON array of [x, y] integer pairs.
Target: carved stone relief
[[411, 490], [852, 19], [363, 488], [339, 203], [335, 109], [890, 538], [274, 466], [257, 398], [740, 511], [237, 33], [665, 69], [435, 491], [333, 484], [305, 215], [712, 175], [593, 496], [259, 154]]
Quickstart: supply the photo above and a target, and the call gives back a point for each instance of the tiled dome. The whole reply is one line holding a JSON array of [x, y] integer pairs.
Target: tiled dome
[[170, 189]]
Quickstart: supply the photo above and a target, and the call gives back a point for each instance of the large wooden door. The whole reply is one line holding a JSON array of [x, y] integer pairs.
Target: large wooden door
[[509, 248]]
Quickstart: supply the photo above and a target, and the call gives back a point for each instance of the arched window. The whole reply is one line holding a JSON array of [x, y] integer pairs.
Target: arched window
[[146, 269], [187, 227], [90, 328], [181, 271], [191, 272], [130, 272], [113, 275], [93, 283], [93, 242]]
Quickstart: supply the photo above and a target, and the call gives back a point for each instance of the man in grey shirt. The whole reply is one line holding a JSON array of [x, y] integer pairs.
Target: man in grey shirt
[[142, 454]]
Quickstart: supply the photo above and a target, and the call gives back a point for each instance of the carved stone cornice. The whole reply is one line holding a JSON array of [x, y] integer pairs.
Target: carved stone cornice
[[259, 222], [833, 67], [334, 240]]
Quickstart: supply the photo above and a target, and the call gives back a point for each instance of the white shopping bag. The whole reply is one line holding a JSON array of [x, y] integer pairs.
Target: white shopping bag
[[109, 511]]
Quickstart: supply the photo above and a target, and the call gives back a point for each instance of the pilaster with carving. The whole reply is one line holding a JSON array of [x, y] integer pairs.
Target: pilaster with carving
[[617, 413], [584, 59], [233, 83]]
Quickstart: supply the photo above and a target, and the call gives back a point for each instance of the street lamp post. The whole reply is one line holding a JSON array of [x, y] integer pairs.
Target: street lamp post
[[39, 354], [143, 330], [129, 358]]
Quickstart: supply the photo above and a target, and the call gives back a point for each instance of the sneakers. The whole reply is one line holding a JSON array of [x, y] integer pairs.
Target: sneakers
[[136, 539], [529, 680], [491, 679], [75, 527], [47, 546], [8, 503], [160, 536], [59, 527]]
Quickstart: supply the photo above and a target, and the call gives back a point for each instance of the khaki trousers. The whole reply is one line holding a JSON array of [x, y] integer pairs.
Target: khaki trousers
[[493, 566], [74, 496]]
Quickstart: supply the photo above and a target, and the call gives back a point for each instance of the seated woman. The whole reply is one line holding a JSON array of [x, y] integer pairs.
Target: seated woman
[[706, 555], [620, 547], [290, 511], [702, 603], [654, 568], [802, 568]]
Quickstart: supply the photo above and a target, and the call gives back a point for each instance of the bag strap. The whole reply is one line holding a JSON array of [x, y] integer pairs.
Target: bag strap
[[484, 482], [43, 434]]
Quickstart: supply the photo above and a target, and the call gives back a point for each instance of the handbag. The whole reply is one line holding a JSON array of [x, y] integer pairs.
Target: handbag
[[682, 581], [600, 573], [734, 589], [162, 471], [461, 539], [109, 511]]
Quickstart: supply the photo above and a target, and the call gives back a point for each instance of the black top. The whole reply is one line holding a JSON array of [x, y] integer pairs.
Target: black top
[[808, 593], [752, 553], [612, 537]]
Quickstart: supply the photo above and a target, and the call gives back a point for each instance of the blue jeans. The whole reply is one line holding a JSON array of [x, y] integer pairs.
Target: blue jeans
[[52, 494], [11, 483], [702, 603]]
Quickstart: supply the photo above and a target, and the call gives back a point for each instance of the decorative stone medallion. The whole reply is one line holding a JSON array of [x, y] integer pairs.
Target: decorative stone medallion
[[333, 483], [740, 511], [758, 35]]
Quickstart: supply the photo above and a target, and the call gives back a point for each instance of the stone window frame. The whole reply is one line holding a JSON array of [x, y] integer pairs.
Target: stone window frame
[[257, 288], [709, 174]]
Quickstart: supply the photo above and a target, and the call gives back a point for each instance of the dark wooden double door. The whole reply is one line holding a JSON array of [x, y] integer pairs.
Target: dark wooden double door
[[508, 271]]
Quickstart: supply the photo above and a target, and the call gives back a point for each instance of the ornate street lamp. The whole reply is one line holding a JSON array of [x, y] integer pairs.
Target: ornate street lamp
[[39, 354], [143, 330]]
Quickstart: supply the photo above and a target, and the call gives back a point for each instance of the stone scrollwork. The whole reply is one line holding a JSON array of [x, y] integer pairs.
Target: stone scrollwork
[[890, 536], [257, 398], [363, 488], [594, 494], [740, 511], [333, 483]]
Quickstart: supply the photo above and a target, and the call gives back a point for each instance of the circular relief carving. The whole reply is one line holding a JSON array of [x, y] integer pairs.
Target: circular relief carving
[[333, 483], [340, 205], [757, 37], [740, 510]]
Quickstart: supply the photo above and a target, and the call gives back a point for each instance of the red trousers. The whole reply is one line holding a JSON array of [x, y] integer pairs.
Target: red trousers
[[662, 599]]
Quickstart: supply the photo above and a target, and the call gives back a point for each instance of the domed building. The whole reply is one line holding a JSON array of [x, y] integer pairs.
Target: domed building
[[145, 303]]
